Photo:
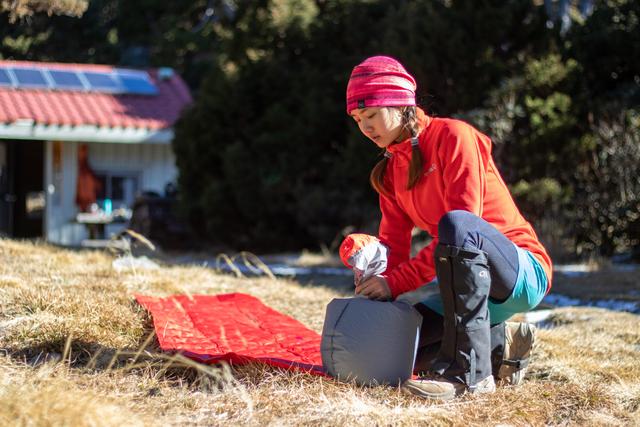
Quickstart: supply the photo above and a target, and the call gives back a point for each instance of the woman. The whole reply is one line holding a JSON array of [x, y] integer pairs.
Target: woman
[[438, 174]]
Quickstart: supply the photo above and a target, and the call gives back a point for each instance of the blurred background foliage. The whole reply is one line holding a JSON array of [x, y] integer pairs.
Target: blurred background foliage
[[268, 158]]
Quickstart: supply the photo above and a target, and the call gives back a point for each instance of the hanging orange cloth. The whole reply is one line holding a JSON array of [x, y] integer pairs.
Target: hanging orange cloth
[[88, 185]]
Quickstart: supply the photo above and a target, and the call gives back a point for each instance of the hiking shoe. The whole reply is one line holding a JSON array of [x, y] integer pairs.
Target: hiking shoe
[[441, 388], [519, 340]]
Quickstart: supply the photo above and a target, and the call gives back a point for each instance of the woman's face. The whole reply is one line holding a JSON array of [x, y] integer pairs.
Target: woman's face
[[382, 125]]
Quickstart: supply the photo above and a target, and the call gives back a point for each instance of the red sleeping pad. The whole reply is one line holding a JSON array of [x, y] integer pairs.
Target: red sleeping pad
[[237, 328]]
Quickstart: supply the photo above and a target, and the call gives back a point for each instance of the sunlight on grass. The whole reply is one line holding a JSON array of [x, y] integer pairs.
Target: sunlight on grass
[[75, 349]]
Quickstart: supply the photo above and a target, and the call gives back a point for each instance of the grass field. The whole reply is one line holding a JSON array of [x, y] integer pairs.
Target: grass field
[[75, 349]]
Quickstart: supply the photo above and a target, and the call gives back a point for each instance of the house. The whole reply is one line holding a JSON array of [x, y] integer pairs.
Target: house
[[64, 124]]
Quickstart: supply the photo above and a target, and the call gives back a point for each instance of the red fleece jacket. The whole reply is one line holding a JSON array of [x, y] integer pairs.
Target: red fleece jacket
[[458, 173]]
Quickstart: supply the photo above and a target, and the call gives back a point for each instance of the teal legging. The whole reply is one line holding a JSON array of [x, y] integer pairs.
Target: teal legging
[[530, 288], [518, 282]]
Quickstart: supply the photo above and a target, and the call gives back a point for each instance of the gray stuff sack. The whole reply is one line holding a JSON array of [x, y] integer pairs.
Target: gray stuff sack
[[370, 342]]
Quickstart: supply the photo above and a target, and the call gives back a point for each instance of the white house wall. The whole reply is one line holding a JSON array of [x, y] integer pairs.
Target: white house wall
[[154, 163], [60, 187]]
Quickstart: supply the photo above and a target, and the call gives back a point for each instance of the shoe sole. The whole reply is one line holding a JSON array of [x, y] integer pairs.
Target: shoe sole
[[417, 391]]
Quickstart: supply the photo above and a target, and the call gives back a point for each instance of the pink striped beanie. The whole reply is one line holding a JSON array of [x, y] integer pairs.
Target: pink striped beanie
[[380, 81]]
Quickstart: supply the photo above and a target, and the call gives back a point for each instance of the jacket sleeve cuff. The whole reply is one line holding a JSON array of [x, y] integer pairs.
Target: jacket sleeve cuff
[[397, 285]]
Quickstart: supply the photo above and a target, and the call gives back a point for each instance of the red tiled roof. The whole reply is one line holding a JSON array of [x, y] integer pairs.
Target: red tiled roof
[[55, 107]]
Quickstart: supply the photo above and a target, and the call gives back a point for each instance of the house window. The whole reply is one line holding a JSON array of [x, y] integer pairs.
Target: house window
[[120, 187]]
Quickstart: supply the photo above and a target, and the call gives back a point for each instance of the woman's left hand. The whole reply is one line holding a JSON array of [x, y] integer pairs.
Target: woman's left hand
[[375, 287]]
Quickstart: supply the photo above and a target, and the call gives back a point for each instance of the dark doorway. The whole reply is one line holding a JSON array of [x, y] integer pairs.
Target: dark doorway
[[22, 195], [7, 198]]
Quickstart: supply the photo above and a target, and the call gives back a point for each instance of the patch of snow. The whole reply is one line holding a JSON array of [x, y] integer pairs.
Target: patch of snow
[[564, 268], [129, 262], [537, 316], [287, 270], [561, 300], [610, 304], [573, 270]]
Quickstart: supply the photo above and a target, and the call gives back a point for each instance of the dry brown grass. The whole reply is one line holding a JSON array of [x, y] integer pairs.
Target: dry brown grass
[[75, 350]]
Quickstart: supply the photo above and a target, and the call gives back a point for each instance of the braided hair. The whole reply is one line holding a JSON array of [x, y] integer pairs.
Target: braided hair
[[409, 118]]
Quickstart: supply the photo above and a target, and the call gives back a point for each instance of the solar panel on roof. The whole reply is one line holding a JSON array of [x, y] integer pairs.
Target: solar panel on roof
[[30, 77], [119, 81], [137, 83], [102, 82], [66, 80], [5, 80]]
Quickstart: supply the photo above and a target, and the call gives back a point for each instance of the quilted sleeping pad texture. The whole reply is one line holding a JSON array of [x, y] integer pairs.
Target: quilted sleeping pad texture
[[236, 328]]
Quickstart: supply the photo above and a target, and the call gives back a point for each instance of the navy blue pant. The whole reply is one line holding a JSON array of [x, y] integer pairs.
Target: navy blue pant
[[466, 230]]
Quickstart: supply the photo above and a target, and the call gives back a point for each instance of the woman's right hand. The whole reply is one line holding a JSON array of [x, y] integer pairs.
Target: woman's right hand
[[375, 288]]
